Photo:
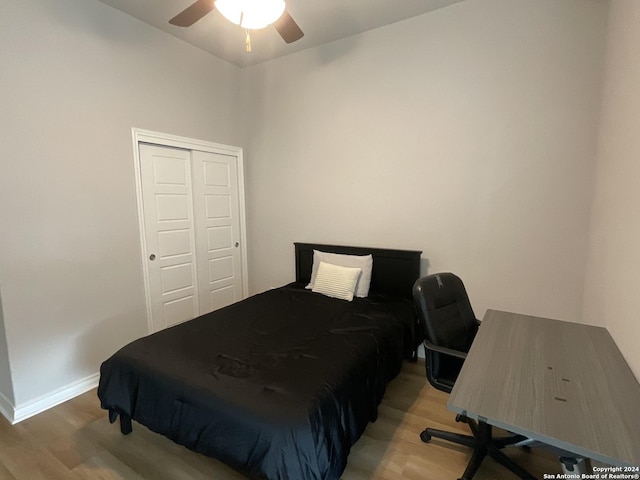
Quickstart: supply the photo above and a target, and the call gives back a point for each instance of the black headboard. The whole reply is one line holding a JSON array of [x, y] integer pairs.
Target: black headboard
[[394, 271]]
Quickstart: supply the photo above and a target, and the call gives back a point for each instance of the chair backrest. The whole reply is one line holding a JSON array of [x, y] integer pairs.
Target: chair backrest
[[448, 320]]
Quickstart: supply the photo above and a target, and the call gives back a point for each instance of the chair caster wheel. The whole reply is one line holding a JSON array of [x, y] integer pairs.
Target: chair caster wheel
[[425, 437], [460, 418]]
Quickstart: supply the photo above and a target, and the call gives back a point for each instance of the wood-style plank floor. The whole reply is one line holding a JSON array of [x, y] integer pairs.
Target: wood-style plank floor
[[76, 441]]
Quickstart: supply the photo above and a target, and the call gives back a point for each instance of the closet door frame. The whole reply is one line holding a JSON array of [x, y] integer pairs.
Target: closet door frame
[[169, 140]]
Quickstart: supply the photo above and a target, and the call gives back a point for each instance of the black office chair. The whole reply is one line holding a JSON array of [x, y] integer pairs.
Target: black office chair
[[450, 326]]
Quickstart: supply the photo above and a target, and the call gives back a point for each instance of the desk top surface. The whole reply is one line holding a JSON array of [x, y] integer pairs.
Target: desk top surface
[[564, 384]]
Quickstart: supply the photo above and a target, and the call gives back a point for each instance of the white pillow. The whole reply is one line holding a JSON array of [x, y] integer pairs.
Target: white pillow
[[364, 262], [336, 281]]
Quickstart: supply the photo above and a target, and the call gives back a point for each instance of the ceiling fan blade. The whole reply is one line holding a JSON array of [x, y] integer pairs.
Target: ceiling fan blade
[[193, 13], [288, 28]]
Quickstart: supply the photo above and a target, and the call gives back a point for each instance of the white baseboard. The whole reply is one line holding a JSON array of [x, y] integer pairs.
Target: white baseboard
[[28, 409]]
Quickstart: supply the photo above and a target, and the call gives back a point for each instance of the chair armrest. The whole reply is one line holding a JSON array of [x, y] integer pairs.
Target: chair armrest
[[446, 351]]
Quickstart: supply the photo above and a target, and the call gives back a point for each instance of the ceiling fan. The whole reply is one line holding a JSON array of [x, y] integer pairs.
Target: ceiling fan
[[240, 13]]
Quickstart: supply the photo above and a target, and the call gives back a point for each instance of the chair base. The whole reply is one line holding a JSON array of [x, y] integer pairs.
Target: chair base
[[483, 444]]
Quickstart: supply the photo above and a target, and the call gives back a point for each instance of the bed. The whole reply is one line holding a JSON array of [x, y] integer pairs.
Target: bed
[[279, 385]]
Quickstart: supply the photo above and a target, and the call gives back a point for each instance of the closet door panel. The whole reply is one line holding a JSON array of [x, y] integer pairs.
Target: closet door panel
[[169, 234], [217, 226]]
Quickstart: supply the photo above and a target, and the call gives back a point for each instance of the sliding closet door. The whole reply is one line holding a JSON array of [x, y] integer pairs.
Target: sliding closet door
[[169, 235], [192, 232], [217, 220]]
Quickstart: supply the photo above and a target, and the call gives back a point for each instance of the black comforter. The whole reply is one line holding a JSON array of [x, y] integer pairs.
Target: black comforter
[[279, 386]]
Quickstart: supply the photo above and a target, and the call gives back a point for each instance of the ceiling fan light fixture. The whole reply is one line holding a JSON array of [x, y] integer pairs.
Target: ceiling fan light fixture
[[251, 14]]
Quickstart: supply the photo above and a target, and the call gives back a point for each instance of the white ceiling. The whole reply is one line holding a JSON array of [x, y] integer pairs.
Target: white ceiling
[[322, 21]]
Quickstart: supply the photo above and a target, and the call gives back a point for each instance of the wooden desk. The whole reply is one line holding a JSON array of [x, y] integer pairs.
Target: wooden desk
[[564, 384]]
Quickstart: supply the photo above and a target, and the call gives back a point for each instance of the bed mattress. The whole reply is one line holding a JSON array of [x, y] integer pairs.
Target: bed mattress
[[278, 386]]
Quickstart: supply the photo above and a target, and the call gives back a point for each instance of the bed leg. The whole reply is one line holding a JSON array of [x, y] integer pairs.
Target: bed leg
[[125, 421], [113, 416], [125, 424]]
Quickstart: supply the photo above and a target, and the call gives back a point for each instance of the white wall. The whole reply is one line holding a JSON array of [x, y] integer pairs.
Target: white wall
[[613, 273], [76, 76], [468, 133]]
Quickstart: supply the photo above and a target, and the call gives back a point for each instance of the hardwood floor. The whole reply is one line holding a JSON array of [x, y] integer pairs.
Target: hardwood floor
[[75, 441]]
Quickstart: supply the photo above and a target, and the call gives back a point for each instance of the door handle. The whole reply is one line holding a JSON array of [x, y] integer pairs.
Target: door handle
[[152, 257]]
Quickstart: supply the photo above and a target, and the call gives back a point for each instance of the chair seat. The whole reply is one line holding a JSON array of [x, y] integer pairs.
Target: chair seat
[[448, 372]]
